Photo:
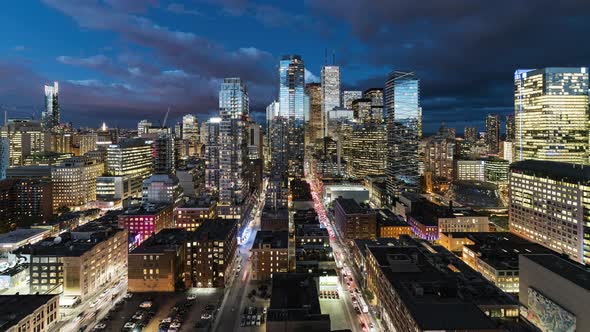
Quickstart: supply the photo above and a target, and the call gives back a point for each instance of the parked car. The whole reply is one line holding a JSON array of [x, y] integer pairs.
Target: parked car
[[146, 304]]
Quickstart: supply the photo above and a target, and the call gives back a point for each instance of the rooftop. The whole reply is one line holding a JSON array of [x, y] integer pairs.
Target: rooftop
[[500, 249], [276, 240], [576, 273], [74, 243], [439, 290], [214, 229], [387, 218], [553, 169], [349, 206], [20, 234], [294, 297], [17, 307], [146, 209], [363, 244], [169, 238]]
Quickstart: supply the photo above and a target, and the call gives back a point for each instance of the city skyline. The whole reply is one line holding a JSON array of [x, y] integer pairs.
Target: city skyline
[[104, 72]]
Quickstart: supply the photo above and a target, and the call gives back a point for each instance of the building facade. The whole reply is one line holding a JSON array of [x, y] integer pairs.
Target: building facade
[[74, 182], [550, 205], [330, 81], [404, 129], [551, 113]]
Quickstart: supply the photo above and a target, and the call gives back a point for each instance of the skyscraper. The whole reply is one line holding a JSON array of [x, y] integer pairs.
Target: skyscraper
[[190, 127], [330, 91], [212, 146], [349, 96], [4, 156], [404, 129], [234, 106], [272, 111], [164, 159], [130, 157], [292, 107], [493, 133], [376, 97], [510, 128], [316, 117], [50, 117], [551, 114], [470, 134]]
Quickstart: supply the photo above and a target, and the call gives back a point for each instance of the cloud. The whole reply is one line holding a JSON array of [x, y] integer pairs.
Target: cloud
[[180, 9], [464, 51], [18, 48]]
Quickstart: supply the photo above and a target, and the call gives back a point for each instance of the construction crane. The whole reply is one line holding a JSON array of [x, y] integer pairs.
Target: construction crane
[[165, 117]]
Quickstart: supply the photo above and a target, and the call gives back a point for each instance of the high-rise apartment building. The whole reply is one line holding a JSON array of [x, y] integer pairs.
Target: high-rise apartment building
[[51, 116], [131, 157], [404, 129], [212, 146], [330, 81], [74, 182], [552, 114], [493, 133], [349, 96], [438, 155], [510, 128], [190, 127], [292, 105], [165, 154], [549, 205], [316, 117], [4, 156], [470, 134], [234, 106]]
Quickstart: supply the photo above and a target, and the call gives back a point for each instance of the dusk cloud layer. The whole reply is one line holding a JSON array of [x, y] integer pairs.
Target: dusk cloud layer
[[121, 61]]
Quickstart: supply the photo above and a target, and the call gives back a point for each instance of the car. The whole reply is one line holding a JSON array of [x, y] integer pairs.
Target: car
[[175, 325], [166, 320], [128, 295], [191, 297], [363, 326], [243, 322], [137, 316], [258, 320], [94, 303], [206, 315], [358, 311], [129, 325], [146, 304], [100, 326], [354, 300], [264, 310]]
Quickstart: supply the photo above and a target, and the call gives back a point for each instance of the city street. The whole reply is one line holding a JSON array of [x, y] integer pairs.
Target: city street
[[235, 294], [85, 315], [341, 255]]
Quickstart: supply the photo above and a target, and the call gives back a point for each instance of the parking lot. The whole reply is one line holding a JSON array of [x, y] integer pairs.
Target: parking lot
[[181, 311]]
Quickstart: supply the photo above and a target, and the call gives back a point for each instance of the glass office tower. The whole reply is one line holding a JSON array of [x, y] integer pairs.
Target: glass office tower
[[233, 108], [51, 116], [404, 130], [292, 107], [551, 114]]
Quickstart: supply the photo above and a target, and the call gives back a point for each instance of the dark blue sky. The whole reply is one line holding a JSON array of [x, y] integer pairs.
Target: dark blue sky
[[120, 61]]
